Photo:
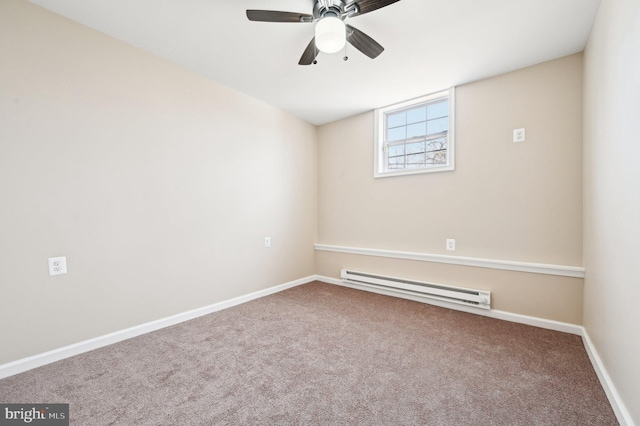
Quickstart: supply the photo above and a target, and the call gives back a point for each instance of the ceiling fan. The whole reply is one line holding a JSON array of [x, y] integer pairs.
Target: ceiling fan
[[331, 33]]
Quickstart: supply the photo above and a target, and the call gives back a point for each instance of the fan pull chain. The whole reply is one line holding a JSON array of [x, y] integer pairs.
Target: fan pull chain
[[346, 58]]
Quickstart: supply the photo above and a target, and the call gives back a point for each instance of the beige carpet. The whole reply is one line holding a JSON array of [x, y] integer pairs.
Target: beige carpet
[[320, 354]]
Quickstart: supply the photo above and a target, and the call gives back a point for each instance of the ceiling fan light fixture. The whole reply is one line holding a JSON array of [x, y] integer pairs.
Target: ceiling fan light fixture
[[331, 34]]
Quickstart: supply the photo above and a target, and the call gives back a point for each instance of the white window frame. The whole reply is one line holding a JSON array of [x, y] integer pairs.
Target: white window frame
[[379, 167]]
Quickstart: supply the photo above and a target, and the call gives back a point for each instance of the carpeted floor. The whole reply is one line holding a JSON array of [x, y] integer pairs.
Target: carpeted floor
[[320, 354]]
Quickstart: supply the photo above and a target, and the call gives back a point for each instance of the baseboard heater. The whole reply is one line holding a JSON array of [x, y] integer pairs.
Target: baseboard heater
[[464, 296]]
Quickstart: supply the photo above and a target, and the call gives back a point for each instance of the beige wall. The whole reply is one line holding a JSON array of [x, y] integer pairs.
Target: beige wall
[[157, 184], [516, 202], [612, 194]]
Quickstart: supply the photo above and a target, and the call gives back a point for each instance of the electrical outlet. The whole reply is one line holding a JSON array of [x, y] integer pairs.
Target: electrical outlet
[[518, 135], [57, 265], [451, 244], [267, 241]]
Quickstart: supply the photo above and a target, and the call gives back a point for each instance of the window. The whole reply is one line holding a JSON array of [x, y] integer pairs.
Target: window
[[415, 136]]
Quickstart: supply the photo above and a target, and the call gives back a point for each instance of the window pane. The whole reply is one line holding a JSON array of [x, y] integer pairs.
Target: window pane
[[417, 114], [397, 134], [415, 160], [439, 110], [437, 157], [437, 144], [396, 150], [415, 148], [437, 151], [396, 163], [438, 125], [397, 119], [418, 129]]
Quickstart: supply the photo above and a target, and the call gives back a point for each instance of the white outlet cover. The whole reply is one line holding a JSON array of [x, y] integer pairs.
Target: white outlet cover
[[451, 244], [267, 241], [57, 265], [518, 135]]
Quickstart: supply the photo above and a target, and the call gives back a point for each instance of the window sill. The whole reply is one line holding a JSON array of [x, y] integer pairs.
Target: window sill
[[448, 168]]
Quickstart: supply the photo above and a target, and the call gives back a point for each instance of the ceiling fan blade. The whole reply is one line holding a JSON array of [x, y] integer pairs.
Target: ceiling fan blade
[[363, 42], [275, 16], [366, 6], [309, 54]]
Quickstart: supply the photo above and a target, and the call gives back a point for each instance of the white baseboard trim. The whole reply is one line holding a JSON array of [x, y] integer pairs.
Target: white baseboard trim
[[619, 408], [25, 364], [507, 265]]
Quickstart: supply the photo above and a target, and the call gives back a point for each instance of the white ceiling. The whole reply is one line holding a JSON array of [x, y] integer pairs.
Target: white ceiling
[[429, 45]]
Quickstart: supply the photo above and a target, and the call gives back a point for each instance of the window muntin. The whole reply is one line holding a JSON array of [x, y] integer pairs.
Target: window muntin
[[415, 136]]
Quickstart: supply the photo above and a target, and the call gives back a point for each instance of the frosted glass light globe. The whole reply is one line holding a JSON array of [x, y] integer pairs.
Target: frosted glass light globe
[[331, 34]]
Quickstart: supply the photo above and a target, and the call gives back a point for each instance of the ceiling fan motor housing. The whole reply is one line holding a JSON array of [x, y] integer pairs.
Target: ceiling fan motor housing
[[324, 8]]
